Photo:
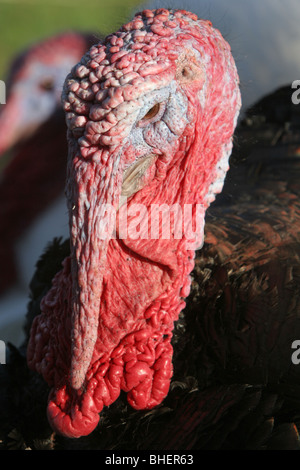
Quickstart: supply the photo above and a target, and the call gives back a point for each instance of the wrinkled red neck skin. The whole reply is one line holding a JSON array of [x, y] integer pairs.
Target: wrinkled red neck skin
[[141, 283], [144, 286]]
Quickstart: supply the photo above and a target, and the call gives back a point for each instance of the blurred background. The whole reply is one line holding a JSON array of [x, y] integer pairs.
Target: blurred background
[[265, 39], [23, 22]]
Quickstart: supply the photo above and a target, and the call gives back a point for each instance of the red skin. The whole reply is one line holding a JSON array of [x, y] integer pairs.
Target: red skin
[[106, 324]]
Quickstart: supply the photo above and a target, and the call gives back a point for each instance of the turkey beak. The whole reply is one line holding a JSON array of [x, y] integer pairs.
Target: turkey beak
[[93, 192]]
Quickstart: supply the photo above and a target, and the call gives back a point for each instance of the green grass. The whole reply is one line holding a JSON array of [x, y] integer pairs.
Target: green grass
[[23, 22]]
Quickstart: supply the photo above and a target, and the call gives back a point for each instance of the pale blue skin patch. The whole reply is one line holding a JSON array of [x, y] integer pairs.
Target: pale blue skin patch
[[167, 125]]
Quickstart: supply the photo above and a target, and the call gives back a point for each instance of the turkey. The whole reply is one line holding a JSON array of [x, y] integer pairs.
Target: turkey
[[232, 384], [33, 144]]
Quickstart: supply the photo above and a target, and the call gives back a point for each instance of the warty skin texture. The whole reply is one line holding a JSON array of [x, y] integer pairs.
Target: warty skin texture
[[163, 89]]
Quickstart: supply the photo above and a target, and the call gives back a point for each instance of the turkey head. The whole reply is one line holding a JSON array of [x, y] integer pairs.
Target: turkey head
[[151, 112]]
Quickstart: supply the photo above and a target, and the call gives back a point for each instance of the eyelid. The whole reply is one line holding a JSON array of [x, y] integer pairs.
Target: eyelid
[[153, 114]]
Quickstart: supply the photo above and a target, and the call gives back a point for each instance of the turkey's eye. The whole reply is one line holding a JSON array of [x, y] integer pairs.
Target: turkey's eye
[[47, 84], [152, 113], [185, 72]]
